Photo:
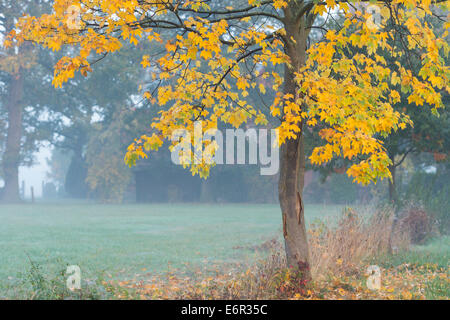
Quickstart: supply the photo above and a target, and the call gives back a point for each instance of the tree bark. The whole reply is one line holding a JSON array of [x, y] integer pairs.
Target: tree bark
[[393, 198], [392, 186], [292, 207], [11, 156], [292, 155]]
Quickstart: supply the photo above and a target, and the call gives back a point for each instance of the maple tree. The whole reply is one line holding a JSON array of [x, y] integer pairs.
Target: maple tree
[[207, 63]]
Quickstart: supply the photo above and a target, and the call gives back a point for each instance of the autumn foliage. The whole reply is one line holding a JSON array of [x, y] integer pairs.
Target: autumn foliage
[[208, 53]]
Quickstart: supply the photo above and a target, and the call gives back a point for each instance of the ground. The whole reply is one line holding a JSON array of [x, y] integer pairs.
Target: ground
[[128, 238], [122, 241]]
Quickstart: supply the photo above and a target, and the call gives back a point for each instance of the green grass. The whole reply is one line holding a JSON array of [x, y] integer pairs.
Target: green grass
[[437, 289], [435, 252], [122, 240], [434, 255]]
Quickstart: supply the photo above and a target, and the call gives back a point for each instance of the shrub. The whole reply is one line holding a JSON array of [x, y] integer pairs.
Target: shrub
[[431, 191], [416, 223]]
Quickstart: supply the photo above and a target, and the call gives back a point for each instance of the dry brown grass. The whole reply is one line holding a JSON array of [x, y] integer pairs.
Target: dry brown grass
[[341, 249]]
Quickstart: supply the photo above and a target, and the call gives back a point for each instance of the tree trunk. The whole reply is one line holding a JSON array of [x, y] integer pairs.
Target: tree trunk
[[291, 201], [392, 186], [11, 156], [394, 201], [75, 184], [292, 155], [205, 192]]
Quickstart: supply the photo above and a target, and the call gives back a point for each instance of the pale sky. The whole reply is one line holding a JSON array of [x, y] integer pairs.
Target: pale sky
[[33, 176]]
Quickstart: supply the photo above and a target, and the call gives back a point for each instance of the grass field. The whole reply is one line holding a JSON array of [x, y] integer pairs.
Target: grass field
[[125, 239], [122, 241]]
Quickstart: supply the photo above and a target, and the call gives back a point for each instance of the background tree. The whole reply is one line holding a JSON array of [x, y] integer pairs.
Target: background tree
[[21, 77], [430, 134], [207, 65], [79, 112]]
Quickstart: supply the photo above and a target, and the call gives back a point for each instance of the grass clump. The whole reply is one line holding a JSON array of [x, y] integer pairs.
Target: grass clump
[[35, 284]]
